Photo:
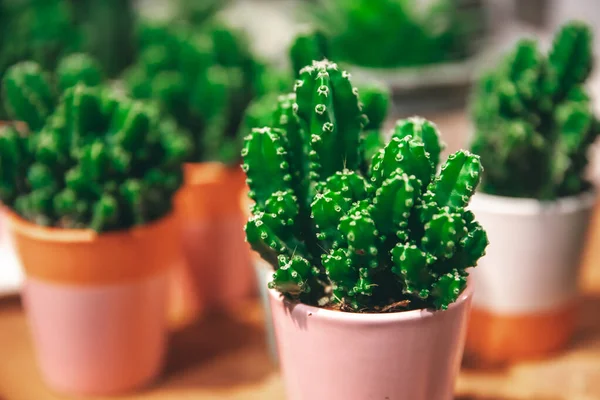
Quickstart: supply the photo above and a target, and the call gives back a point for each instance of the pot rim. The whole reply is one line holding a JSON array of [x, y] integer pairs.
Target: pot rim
[[370, 318], [62, 235], [531, 206], [207, 172]]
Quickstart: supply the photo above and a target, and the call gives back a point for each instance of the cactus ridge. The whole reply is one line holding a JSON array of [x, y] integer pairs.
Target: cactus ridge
[[338, 236], [534, 120]]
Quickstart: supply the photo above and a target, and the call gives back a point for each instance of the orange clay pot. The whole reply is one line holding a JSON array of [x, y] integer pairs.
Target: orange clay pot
[[496, 339], [96, 303], [219, 273]]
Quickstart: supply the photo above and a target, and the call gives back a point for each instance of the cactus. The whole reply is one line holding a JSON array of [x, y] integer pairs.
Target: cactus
[[307, 47], [31, 94], [106, 31], [205, 81], [98, 161], [36, 30], [395, 33], [395, 237], [533, 118]]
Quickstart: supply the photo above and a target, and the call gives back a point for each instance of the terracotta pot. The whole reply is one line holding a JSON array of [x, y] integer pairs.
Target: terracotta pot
[[526, 284], [327, 354], [96, 303], [219, 272]]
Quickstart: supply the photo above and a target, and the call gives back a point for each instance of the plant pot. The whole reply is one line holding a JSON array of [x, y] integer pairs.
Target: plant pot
[[326, 354], [217, 255], [525, 304], [264, 273], [96, 303]]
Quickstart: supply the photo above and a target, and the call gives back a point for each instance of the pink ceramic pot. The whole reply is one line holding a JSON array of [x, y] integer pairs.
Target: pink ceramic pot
[[219, 255], [98, 340], [96, 303], [413, 355], [220, 274]]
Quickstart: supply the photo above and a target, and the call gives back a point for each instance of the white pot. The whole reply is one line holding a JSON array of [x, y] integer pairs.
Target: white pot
[[527, 281], [264, 274]]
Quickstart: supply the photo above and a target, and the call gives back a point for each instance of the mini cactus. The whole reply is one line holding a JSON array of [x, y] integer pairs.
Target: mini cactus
[[534, 121], [395, 237], [204, 80], [375, 97], [96, 161]]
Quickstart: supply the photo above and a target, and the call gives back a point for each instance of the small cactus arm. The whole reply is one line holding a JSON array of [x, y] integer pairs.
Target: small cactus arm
[[78, 68], [393, 236], [329, 107], [28, 94], [307, 48]]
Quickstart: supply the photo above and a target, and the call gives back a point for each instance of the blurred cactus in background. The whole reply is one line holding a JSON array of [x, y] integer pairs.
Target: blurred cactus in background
[[394, 238], [31, 94], [38, 30], [395, 33], [534, 121], [97, 161], [203, 78], [43, 31], [106, 30]]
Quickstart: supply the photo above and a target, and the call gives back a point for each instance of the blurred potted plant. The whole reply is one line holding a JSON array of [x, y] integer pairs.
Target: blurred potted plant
[[89, 187], [71, 69], [534, 126], [407, 44], [205, 79], [372, 265]]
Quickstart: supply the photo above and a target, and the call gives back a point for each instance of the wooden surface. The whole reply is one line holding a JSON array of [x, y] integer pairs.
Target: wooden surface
[[225, 357]]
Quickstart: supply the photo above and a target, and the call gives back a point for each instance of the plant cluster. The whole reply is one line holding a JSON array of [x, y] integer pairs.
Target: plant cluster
[[396, 33], [534, 120], [89, 159], [396, 236], [205, 79]]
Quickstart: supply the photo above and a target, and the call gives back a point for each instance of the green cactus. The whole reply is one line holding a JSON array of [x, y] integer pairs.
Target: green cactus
[[96, 161], [106, 31], [205, 80], [363, 241], [395, 33], [534, 121], [307, 47], [38, 30], [31, 94]]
